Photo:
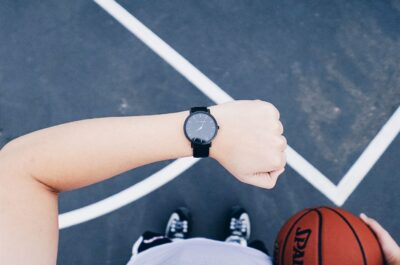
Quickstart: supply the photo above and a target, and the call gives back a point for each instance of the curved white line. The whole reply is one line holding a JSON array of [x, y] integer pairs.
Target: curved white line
[[126, 196], [337, 194]]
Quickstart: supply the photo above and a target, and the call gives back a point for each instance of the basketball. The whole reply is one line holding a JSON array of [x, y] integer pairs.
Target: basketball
[[326, 236]]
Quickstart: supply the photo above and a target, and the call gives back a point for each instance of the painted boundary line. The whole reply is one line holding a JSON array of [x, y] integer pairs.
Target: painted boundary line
[[369, 157], [160, 47], [215, 93], [337, 194], [128, 195]]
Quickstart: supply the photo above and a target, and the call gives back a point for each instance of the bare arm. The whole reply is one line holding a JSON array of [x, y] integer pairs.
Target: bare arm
[[80, 153], [35, 167]]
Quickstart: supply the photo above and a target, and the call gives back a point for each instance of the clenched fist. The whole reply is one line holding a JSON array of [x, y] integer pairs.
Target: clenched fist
[[249, 143]]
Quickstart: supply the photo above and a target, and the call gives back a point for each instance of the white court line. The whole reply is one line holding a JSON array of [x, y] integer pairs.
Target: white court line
[[337, 194], [312, 175], [160, 47], [204, 84], [215, 93], [128, 195], [369, 157]]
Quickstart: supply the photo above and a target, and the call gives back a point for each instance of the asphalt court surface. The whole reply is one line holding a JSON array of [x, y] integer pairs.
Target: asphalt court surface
[[332, 68]]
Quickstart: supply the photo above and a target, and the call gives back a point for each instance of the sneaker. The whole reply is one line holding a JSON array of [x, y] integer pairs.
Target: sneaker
[[239, 226], [178, 224]]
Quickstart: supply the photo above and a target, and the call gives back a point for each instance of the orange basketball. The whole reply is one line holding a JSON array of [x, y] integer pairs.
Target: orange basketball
[[326, 236]]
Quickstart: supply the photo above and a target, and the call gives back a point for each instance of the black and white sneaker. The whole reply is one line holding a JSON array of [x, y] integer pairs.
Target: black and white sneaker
[[178, 224], [239, 226]]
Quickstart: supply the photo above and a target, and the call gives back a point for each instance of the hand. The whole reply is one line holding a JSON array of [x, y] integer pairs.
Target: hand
[[391, 250], [249, 143]]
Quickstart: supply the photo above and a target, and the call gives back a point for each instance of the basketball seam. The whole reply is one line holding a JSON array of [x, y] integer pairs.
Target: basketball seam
[[320, 237], [287, 235], [354, 232]]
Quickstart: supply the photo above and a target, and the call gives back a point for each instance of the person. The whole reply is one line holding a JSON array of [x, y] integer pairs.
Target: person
[[178, 230], [239, 227], [36, 167]]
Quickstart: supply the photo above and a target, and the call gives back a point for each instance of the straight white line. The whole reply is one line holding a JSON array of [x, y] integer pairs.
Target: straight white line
[[337, 194], [128, 195], [312, 175], [203, 83], [369, 157], [160, 47]]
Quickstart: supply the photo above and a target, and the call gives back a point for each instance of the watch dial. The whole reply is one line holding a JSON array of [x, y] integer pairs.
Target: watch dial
[[201, 127]]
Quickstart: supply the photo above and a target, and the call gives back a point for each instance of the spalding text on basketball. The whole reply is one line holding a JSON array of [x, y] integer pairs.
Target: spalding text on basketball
[[300, 243]]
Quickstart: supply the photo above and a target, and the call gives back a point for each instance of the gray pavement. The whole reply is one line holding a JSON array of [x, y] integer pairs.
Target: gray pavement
[[332, 68]]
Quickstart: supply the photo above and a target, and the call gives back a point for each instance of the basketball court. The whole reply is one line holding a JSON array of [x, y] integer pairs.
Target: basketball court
[[331, 68]]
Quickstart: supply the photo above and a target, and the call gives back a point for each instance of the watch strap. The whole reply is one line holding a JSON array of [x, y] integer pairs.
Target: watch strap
[[201, 150], [195, 109]]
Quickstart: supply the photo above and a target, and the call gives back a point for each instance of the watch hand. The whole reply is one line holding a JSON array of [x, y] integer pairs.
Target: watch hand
[[201, 127]]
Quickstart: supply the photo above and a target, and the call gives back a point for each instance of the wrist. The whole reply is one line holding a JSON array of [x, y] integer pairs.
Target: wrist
[[181, 145], [218, 142], [166, 135], [200, 128]]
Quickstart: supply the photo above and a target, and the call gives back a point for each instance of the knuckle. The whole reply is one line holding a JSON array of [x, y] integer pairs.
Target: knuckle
[[266, 105], [279, 143], [276, 126], [273, 110], [259, 101], [269, 105], [279, 127], [276, 113], [283, 141]]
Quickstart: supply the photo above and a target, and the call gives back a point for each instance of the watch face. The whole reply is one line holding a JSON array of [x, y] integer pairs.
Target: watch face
[[200, 127]]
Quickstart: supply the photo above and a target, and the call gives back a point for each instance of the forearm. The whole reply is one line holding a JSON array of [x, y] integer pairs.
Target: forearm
[[35, 166], [80, 153]]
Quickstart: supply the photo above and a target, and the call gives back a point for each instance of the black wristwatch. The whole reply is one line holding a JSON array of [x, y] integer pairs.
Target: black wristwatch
[[200, 128]]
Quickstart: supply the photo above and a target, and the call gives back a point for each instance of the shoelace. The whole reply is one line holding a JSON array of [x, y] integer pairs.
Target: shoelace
[[179, 226], [237, 225]]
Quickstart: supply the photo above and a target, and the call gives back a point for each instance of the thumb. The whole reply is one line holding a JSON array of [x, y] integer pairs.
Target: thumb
[[390, 248]]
